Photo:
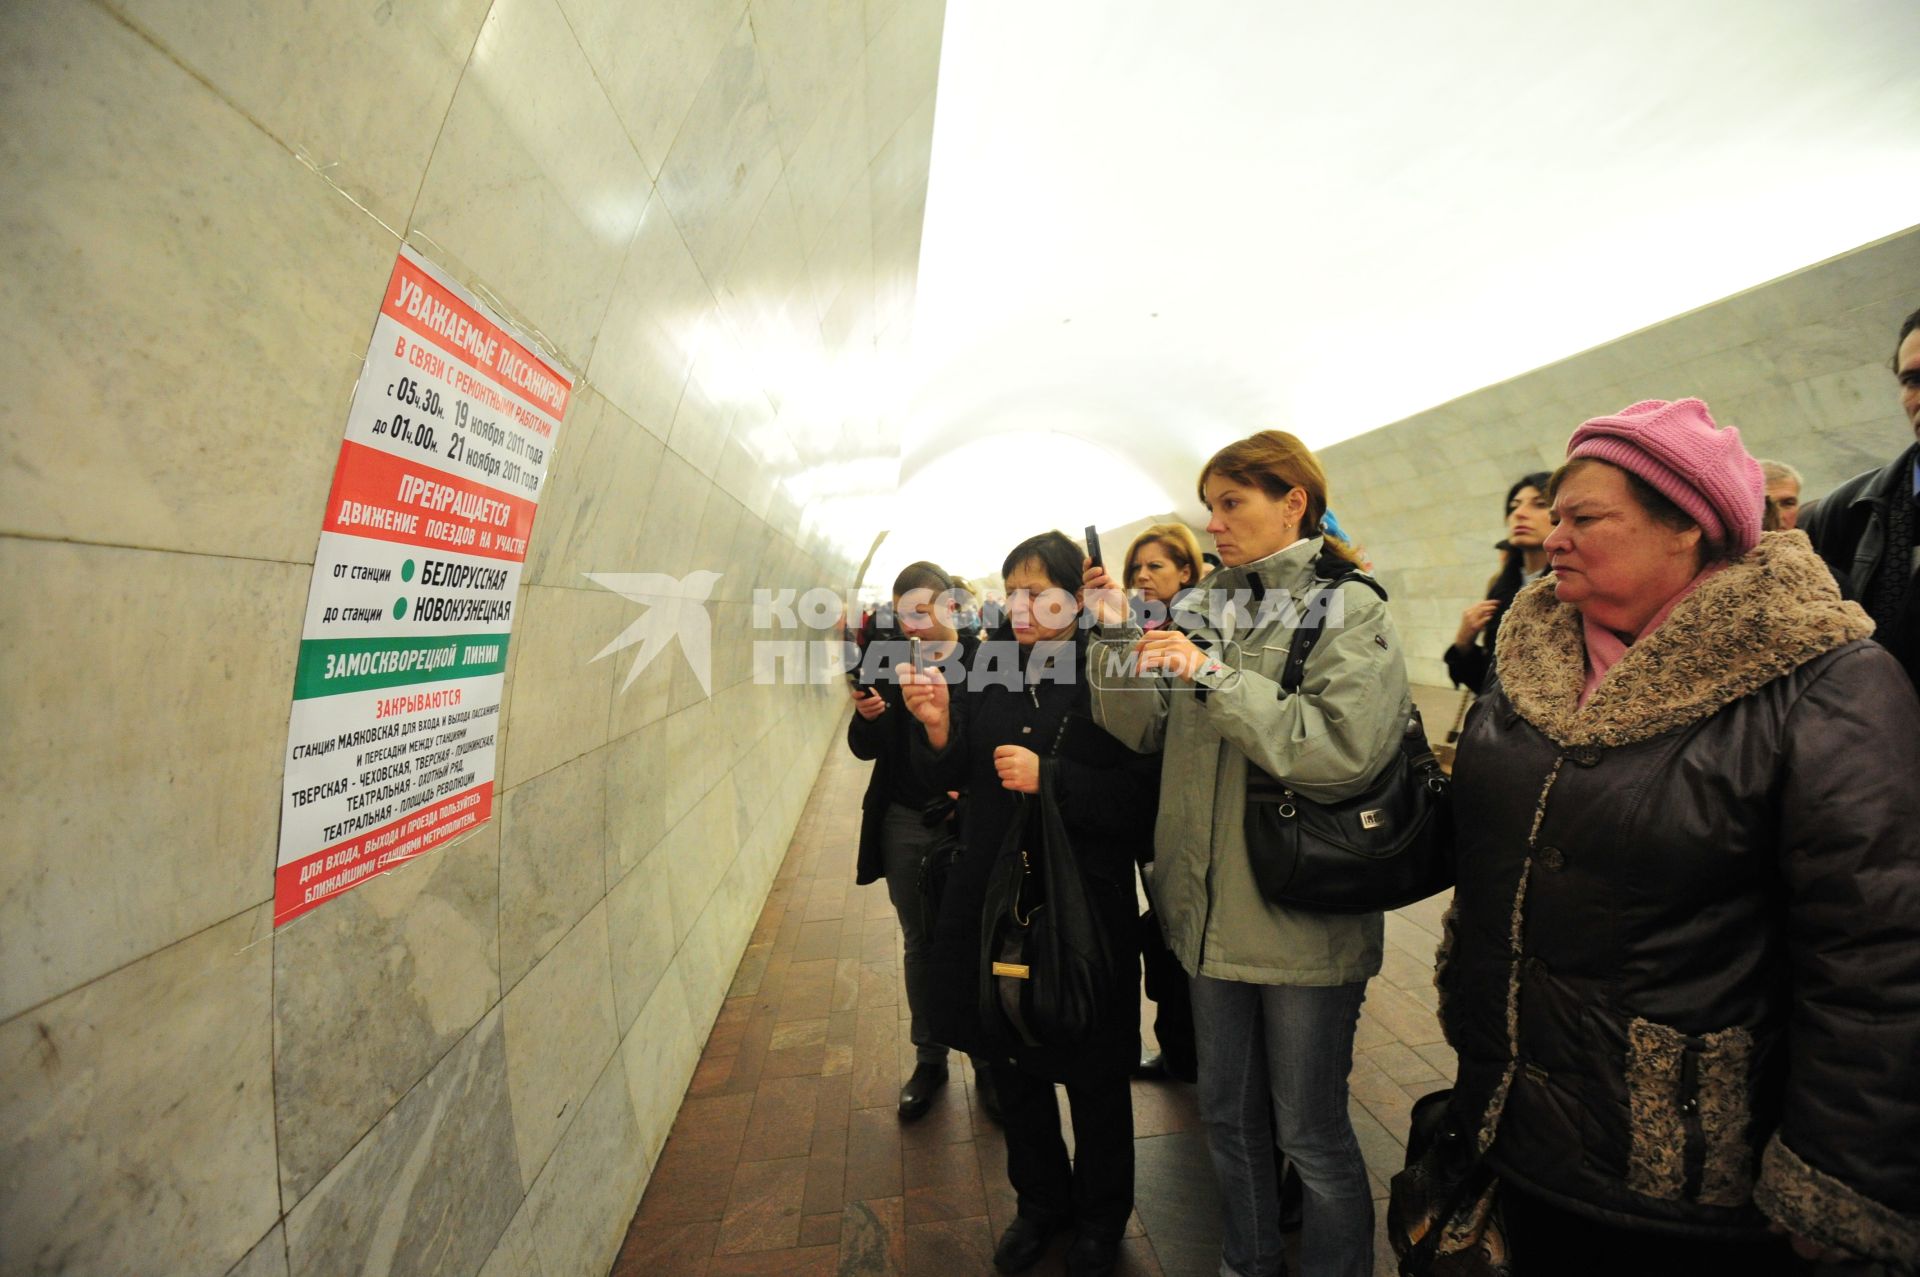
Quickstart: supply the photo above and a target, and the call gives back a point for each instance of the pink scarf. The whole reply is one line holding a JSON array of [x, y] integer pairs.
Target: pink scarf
[[1605, 648]]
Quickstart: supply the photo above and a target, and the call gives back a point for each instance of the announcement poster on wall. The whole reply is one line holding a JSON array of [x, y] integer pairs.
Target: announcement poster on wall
[[396, 700]]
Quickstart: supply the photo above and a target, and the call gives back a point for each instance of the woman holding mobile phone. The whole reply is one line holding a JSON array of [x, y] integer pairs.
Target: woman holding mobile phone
[[1276, 990], [902, 816]]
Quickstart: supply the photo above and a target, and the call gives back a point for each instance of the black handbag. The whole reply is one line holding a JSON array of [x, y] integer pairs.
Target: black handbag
[[1389, 845], [1443, 1213], [1046, 963]]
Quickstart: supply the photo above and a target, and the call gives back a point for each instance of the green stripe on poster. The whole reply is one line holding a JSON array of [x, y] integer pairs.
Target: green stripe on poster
[[329, 667]]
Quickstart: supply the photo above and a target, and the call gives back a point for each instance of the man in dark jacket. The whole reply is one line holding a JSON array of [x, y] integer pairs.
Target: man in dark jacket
[[903, 817], [1865, 528]]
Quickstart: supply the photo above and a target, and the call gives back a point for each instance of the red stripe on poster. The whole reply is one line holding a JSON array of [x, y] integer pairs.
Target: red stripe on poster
[[314, 880], [419, 302], [388, 498]]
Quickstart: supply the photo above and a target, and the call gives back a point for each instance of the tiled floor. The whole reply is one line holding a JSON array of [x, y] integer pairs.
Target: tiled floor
[[787, 1157]]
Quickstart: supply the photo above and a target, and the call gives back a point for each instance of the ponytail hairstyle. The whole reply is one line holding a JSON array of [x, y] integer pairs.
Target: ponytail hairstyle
[[1276, 463]]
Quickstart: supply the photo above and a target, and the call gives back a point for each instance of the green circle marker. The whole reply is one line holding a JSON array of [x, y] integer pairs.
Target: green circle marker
[[399, 608], [406, 570]]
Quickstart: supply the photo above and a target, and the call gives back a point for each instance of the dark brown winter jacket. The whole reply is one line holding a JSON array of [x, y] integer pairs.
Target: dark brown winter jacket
[[1682, 968]]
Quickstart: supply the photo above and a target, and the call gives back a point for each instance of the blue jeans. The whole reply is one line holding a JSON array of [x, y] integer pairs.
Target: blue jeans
[[1278, 1055]]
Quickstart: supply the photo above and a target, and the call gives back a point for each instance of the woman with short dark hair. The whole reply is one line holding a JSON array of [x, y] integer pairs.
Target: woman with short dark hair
[[1027, 699]]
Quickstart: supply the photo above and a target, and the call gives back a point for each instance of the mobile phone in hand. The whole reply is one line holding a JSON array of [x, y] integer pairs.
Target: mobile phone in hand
[[913, 654], [1093, 546]]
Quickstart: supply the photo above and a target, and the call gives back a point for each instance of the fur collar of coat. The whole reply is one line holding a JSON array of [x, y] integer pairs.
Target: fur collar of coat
[[1762, 616]]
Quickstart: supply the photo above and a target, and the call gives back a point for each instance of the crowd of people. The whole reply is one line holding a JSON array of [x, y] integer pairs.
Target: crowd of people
[[1681, 969]]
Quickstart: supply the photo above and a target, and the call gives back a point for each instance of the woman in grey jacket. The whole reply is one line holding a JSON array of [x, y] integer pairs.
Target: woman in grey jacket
[[1276, 991]]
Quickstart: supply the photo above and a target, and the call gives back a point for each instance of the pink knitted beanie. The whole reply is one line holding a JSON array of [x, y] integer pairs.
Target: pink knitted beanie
[[1695, 464]]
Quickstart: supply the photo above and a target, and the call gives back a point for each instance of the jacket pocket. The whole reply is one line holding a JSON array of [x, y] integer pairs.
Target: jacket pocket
[[1690, 1110]]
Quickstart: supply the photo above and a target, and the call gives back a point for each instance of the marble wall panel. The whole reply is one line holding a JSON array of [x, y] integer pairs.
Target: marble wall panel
[[903, 61], [640, 932], [518, 1254], [562, 694], [652, 59], [830, 159], [150, 227], [812, 50], [532, 154], [140, 768], [725, 158], [136, 1114], [659, 1053], [695, 854], [1773, 360], [222, 181], [559, 1032], [371, 990], [303, 75], [660, 320], [553, 865], [618, 467], [589, 1188], [268, 1258], [432, 1186], [644, 799]]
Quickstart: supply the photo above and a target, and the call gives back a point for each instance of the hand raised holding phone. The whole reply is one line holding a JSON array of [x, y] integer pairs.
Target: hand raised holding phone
[[925, 693]]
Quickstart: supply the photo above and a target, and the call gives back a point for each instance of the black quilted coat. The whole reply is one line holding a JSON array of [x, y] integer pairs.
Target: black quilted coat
[[1682, 969]]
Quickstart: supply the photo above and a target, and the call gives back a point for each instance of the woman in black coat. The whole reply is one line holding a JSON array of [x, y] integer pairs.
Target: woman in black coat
[[1470, 656], [1682, 969], [1027, 696]]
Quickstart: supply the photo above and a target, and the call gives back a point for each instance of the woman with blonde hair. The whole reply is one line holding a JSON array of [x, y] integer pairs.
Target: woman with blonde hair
[[1163, 563], [1276, 989]]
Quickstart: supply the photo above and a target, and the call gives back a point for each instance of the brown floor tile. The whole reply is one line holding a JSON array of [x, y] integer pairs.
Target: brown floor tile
[[876, 1063], [788, 1157], [949, 1247], [808, 994], [846, 982], [1161, 1108], [801, 1061], [942, 1182], [729, 1027], [818, 940], [1138, 1260], [763, 1208], [832, 1102], [873, 1239], [781, 1122], [873, 1155], [798, 1261], [826, 1181], [879, 987], [1401, 1015], [668, 1250]]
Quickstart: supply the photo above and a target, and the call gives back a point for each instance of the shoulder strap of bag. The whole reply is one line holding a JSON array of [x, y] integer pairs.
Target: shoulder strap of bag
[[1331, 567]]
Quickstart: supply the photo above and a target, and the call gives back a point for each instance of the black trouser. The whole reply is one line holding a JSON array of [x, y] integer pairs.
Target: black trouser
[[1096, 1190], [1550, 1241], [1172, 997]]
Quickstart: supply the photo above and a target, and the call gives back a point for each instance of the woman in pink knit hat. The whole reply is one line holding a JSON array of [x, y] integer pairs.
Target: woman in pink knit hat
[[1682, 970]]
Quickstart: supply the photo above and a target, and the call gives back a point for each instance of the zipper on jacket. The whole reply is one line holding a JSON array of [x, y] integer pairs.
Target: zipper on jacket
[[1694, 1158]]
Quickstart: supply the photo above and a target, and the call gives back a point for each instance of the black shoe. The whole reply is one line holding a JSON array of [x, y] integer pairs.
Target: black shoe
[[916, 1097], [1180, 1067], [1152, 1066], [985, 1093], [1092, 1256], [1022, 1245]]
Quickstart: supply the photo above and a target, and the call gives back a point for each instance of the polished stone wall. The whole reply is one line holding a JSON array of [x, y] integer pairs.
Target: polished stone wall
[[1799, 364], [709, 211]]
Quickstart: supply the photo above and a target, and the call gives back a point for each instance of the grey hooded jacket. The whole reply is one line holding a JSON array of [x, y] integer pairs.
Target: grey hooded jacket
[[1326, 741]]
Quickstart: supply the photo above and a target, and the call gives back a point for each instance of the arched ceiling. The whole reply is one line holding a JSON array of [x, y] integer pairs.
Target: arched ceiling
[[1154, 227]]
